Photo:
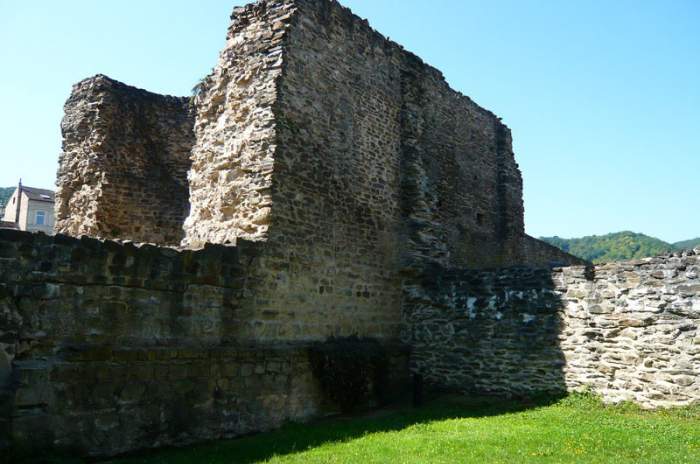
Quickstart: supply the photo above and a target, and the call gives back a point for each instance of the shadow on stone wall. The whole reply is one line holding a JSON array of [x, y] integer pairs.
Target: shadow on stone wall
[[629, 331], [487, 332]]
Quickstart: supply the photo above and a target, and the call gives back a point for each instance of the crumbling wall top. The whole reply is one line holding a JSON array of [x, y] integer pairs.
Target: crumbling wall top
[[123, 170]]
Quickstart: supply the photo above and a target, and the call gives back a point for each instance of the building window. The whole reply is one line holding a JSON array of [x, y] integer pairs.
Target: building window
[[40, 218]]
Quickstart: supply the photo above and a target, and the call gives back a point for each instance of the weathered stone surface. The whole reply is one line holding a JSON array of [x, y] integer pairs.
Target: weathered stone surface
[[350, 159], [312, 126], [123, 170], [628, 331], [108, 347], [333, 172], [347, 177], [103, 402], [233, 158]]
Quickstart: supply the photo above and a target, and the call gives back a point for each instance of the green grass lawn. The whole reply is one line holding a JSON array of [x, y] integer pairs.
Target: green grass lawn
[[574, 429]]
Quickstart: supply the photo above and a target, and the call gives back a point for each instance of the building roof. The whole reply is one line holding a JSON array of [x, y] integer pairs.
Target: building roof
[[37, 194]]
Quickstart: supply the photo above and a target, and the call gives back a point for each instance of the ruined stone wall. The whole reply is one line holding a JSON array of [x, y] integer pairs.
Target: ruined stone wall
[[335, 186], [628, 331], [348, 156], [105, 401], [312, 124], [261, 171], [233, 157], [112, 347], [123, 170], [106, 347], [109, 347], [461, 187], [342, 172], [309, 105], [10, 325], [351, 159]]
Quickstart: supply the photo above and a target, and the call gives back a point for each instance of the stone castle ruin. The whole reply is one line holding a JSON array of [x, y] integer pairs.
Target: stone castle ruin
[[322, 187]]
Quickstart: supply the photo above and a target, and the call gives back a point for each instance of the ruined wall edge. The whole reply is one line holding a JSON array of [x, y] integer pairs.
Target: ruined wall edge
[[123, 170]]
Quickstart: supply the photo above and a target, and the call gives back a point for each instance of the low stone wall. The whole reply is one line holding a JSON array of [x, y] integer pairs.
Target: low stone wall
[[108, 347], [628, 331], [69, 290], [105, 401]]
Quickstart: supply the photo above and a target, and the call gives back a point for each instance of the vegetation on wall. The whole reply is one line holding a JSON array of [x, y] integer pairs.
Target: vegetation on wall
[[617, 246]]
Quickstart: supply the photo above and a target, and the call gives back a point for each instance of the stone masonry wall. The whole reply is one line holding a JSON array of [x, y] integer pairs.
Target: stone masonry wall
[[350, 158], [123, 170], [335, 184], [312, 122], [461, 187], [233, 157], [106, 347], [629, 331]]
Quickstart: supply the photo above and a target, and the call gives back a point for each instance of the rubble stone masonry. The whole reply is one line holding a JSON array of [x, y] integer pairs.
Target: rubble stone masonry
[[342, 152], [106, 348], [123, 170], [314, 125], [628, 331], [322, 183]]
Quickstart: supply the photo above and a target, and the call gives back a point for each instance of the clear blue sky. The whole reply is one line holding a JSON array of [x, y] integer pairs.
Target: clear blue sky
[[603, 97]]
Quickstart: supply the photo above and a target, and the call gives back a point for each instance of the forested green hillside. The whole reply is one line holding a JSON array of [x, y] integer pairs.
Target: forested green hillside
[[687, 244], [617, 246]]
